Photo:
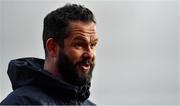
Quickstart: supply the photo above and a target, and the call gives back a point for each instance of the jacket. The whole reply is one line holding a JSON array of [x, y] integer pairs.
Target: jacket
[[32, 85]]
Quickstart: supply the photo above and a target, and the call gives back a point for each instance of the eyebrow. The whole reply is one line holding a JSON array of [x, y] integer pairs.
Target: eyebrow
[[79, 38], [95, 40]]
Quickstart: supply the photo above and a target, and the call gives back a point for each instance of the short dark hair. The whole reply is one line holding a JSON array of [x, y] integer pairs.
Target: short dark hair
[[56, 23]]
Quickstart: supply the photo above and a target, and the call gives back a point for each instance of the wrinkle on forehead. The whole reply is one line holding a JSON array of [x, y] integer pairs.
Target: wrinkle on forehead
[[82, 31], [83, 28], [77, 30]]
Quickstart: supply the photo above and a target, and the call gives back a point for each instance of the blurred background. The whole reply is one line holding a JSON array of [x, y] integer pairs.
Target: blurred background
[[138, 55]]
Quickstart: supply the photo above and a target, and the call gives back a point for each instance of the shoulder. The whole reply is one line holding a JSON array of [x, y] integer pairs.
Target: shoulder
[[26, 95]]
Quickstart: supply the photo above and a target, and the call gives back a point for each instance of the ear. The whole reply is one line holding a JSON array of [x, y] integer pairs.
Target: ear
[[52, 48]]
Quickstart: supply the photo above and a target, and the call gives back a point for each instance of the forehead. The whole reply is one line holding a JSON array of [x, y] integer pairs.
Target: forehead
[[82, 25], [85, 29]]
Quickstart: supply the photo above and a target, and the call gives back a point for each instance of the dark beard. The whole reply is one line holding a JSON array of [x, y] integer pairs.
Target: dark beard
[[69, 70]]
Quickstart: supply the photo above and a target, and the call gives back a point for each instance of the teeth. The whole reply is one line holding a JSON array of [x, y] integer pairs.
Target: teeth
[[85, 66]]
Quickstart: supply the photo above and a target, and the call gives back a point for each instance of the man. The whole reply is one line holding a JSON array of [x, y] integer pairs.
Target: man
[[63, 78]]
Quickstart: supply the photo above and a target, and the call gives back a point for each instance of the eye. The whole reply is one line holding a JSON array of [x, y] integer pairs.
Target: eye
[[79, 44], [93, 45]]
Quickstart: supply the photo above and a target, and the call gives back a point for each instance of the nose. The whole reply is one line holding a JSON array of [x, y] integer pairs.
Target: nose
[[89, 53]]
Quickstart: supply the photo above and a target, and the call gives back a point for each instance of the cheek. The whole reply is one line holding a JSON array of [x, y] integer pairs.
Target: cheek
[[74, 55]]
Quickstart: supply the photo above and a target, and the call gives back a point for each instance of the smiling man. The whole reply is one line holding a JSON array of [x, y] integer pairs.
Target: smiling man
[[64, 77]]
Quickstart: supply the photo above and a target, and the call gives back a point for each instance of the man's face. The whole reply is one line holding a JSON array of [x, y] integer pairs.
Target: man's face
[[77, 58]]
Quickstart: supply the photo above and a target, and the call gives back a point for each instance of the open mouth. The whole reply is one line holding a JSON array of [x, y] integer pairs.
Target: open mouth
[[84, 66]]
